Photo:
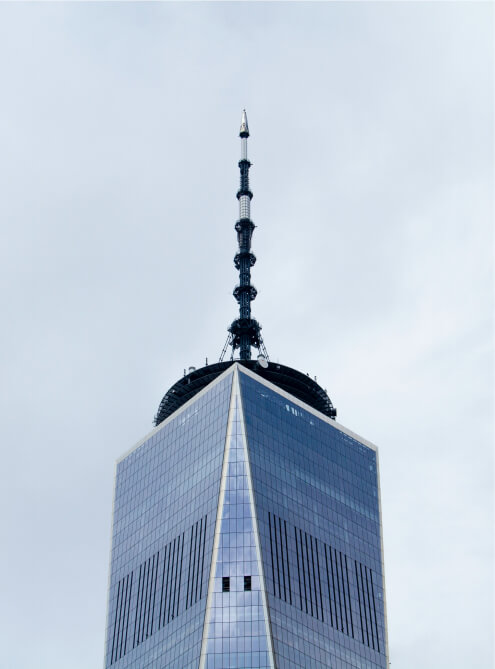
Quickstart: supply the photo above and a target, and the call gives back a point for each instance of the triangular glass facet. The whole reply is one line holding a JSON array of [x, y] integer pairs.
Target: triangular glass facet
[[237, 634]]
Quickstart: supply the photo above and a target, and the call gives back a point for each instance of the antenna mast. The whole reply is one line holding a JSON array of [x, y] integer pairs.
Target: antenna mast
[[244, 331]]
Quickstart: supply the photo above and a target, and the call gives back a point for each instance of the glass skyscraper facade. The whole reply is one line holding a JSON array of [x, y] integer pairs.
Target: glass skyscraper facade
[[247, 533]]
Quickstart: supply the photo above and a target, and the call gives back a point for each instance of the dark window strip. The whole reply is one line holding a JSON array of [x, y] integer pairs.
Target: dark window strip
[[149, 580], [271, 551], [166, 605], [165, 582], [173, 585], [336, 592], [112, 656], [344, 593], [161, 590], [338, 582], [171, 581], [369, 606], [203, 560], [198, 561], [339, 597], [193, 527], [148, 598], [364, 602], [298, 568], [303, 570], [144, 592], [288, 561], [191, 565], [307, 582], [374, 609], [282, 557], [275, 540], [197, 554], [128, 615], [308, 565], [328, 585], [125, 620], [138, 599], [119, 622], [169, 596], [120, 629], [141, 602], [359, 600], [180, 574], [340, 579], [314, 576], [349, 595], [319, 578], [176, 577], [152, 615]]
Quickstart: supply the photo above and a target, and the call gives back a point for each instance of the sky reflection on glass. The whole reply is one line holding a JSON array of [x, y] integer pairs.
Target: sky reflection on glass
[[237, 629]]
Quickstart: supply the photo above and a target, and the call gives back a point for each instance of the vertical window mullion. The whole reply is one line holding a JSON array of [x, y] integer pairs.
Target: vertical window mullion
[[303, 570], [288, 560], [298, 568], [343, 592], [171, 581], [138, 604], [157, 562], [359, 600], [174, 576], [193, 526], [128, 614], [144, 597], [374, 609], [338, 587], [163, 587], [271, 551], [314, 575], [328, 584], [202, 560], [120, 631], [115, 621], [349, 595], [369, 607], [364, 602], [282, 556], [180, 574], [309, 572], [319, 579]]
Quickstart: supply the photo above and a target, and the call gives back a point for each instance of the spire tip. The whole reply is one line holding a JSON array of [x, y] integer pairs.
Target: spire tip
[[244, 131]]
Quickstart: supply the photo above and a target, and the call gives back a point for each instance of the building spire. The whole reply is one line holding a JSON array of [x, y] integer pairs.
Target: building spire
[[244, 332]]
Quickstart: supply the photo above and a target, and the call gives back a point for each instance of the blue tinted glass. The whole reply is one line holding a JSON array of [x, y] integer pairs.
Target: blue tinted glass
[[166, 497], [317, 513], [316, 497], [237, 629]]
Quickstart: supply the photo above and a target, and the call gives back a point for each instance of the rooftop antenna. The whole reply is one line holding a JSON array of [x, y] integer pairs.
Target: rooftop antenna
[[245, 331]]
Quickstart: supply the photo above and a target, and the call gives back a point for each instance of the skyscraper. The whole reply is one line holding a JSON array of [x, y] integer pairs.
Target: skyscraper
[[247, 524]]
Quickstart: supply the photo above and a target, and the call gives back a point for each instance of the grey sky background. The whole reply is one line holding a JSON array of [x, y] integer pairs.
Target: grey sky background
[[372, 150]]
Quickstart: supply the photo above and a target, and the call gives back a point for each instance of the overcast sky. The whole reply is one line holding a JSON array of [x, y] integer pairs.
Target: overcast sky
[[372, 149]]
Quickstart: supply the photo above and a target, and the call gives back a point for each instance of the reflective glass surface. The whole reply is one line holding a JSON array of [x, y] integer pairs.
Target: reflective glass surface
[[237, 627], [165, 507], [316, 497], [298, 564]]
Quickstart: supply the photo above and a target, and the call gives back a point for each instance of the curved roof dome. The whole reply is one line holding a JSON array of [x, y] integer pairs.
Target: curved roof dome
[[288, 379]]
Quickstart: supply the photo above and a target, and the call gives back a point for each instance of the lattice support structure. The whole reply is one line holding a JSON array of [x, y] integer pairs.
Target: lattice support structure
[[245, 331]]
